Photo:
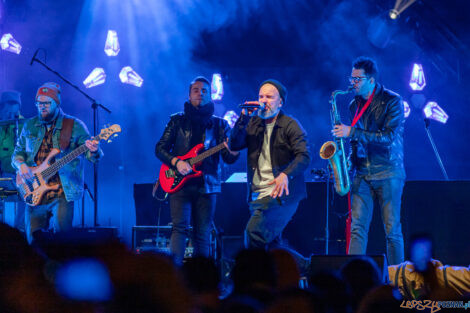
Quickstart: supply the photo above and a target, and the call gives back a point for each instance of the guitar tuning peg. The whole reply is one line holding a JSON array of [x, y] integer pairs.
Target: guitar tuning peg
[[115, 135], [109, 140]]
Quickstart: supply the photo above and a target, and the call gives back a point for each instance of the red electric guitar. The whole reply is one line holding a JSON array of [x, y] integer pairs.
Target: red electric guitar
[[171, 180]]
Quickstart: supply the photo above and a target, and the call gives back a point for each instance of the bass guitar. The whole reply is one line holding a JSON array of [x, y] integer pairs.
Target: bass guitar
[[171, 180], [32, 190]]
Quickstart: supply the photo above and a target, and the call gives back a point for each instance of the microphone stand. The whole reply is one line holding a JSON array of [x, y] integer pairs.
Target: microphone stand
[[427, 123], [327, 231], [87, 190], [94, 105]]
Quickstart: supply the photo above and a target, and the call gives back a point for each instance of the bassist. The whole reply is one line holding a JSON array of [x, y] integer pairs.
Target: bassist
[[196, 199], [51, 128]]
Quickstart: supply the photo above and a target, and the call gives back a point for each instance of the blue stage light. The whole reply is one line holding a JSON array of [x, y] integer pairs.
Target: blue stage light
[[84, 280], [111, 47], [417, 80], [231, 117], [96, 77], [217, 87], [129, 76], [434, 112], [8, 43], [407, 109]]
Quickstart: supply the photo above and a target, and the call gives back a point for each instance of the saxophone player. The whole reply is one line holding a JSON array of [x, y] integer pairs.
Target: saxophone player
[[376, 136]]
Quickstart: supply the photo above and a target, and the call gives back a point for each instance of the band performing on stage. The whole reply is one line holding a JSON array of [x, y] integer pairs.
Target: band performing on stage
[[365, 168], [190, 149], [248, 156]]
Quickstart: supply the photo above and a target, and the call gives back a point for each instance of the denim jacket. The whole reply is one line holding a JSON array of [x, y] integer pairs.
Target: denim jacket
[[71, 175]]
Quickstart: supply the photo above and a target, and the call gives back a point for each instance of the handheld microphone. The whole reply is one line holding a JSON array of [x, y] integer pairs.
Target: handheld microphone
[[250, 105], [34, 57]]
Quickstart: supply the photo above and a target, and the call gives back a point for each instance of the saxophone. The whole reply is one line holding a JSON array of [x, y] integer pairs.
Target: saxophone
[[333, 151]]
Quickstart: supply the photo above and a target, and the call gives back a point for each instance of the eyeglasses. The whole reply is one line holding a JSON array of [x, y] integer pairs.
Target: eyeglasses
[[44, 104], [356, 79]]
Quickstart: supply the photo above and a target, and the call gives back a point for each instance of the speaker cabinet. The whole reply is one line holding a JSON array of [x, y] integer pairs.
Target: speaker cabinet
[[334, 263]]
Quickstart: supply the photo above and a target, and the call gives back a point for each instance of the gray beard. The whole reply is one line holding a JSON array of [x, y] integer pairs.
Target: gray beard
[[262, 115]]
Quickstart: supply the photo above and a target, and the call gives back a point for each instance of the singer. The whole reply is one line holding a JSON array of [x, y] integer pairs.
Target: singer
[[277, 157], [376, 135]]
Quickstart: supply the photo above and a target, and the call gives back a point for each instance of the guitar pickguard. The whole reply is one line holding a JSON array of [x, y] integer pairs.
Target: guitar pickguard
[[170, 173], [177, 178]]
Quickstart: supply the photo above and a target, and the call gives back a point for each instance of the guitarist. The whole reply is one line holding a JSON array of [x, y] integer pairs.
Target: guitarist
[[51, 128], [197, 197]]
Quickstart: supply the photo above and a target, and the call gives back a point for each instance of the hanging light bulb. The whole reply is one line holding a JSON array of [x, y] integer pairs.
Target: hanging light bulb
[[111, 47], [95, 78], [434, 112], [8, 43], [417, 80], [217, 87], [129, 76]]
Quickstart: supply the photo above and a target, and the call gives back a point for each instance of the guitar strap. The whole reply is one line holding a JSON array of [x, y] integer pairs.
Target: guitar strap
[[66, 133], [158, 192]]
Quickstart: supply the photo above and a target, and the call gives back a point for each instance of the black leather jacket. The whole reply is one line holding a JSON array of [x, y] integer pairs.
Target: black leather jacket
[[377, 138], [176, 140], [289, 149]]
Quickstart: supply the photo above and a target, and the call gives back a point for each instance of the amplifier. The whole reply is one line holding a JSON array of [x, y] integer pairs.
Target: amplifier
[[156, 239]]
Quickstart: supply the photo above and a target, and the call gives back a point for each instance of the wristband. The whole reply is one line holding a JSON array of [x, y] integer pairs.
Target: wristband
[[177, 160]]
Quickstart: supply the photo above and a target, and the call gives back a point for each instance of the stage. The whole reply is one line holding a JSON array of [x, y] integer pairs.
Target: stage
[[438, 208]]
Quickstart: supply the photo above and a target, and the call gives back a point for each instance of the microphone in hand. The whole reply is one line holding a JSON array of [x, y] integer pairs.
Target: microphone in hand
[[249, 107]]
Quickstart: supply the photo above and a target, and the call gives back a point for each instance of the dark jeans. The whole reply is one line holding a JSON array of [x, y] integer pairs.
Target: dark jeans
[[19, 216], [388, 193], [186, 204], [39, 217], [268, 219]]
